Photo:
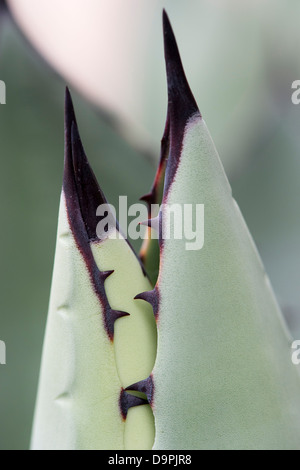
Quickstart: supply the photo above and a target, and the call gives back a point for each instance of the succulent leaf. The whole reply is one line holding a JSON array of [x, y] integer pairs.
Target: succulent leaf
[[223, 376], [92, 318], [79, 385]]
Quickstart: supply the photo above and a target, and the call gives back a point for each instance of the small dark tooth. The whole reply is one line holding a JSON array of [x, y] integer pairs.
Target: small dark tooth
[[111, 316], [152, 297], [144, 386], [105, 274], [128, 401], [116, 314]]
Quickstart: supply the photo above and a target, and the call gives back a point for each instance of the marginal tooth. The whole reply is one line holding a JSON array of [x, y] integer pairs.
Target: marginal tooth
[[152, 223], [105, 274], [128, 401], [116, 314], [144, 386], [111, 316], [152, 297]]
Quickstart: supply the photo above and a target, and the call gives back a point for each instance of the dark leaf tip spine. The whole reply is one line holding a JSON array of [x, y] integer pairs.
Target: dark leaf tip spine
[[89, 193], [83, 196], [181, 102]]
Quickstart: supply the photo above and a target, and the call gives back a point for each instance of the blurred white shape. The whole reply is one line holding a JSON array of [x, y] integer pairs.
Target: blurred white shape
[[112, 51], [234, 53], [92, 43]]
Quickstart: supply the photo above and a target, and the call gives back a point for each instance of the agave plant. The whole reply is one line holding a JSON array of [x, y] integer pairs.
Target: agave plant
[[172, 349]]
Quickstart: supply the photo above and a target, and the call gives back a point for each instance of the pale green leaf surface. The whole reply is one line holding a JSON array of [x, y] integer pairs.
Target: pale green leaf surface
[[223, 375], [77, 406], [82, 371], [136, 333]]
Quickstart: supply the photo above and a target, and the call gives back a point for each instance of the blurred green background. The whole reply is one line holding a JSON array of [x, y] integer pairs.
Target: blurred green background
[[247, 105]]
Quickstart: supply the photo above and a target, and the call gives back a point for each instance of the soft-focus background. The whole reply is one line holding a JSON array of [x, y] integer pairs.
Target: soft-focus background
[[241, 59]]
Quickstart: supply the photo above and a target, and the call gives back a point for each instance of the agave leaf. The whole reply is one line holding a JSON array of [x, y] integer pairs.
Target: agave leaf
[[223, 376], [86, 363]]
